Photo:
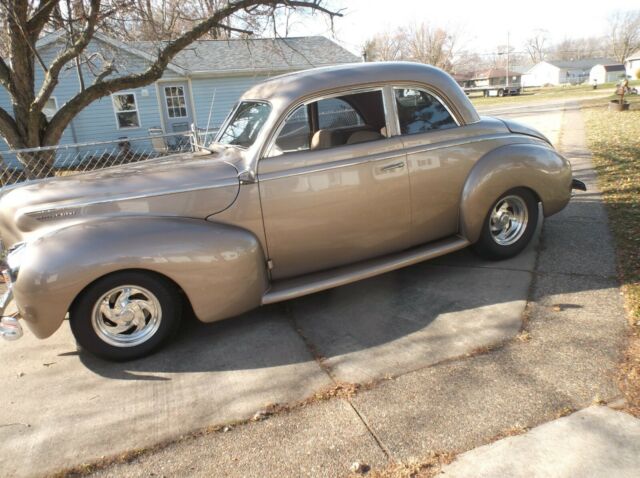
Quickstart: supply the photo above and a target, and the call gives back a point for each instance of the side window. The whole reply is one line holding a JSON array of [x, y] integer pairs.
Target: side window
[[295, 134], [126, 110], [419, 112], [332, 122], [337, 113]]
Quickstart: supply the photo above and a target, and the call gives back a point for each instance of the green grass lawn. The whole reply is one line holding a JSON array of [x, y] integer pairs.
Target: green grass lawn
[[614, 140], [551, 93]]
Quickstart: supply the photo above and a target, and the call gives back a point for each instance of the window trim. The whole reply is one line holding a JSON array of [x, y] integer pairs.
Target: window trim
[[115, 111], [426, 90], [55, 101], [166, 105], [275, 132]]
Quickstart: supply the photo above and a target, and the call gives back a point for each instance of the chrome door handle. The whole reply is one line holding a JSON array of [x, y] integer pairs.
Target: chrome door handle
[[391, 166]]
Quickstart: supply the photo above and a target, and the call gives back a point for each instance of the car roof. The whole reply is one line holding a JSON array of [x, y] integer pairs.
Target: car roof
[[283, 90]]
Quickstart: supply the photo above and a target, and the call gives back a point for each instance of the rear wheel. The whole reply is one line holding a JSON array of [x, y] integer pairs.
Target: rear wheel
[[125, 315], [509, 225], [501, 92]]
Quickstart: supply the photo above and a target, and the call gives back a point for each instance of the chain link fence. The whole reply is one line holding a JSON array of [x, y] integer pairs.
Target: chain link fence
[[21, 165]]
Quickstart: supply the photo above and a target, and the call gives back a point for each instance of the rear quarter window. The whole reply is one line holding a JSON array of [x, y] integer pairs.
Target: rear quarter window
[[419, 112]]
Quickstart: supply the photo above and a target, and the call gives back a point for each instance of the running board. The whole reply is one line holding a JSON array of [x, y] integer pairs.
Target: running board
[[297, 287]]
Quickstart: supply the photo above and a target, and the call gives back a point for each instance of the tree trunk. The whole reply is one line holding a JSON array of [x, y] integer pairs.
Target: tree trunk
[[38, 164]]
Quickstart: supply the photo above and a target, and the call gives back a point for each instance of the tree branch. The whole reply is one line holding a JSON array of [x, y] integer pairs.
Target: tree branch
[[9, 130], [78, 46], [155, 71], [6, 79], [41, 16]]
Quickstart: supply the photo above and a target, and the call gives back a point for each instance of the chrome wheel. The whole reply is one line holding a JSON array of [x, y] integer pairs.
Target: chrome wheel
[[508, 220], [126, 316]]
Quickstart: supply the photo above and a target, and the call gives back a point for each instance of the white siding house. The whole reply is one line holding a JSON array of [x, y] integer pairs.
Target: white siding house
[[561, 72], [632, 65], [606, 74]]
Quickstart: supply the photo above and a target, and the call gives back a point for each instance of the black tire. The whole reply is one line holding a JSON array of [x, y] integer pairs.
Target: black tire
[[500, 92], [488, 246], [167, 299]]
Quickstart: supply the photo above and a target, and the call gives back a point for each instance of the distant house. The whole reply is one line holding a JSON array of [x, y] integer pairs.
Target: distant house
[[606, 73], [561, 72], [463, 78], [496, 77], [490, 77], [632, 65], [184, 94]]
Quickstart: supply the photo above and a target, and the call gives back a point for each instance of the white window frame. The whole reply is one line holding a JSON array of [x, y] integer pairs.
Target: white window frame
[[55, 102], [166, 105], [115, 111]]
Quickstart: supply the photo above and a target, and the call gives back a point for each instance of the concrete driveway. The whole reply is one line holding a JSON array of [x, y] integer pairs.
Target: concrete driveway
[[59, 408]]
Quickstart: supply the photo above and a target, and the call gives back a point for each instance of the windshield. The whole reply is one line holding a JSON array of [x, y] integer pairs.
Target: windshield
[[246, 122]]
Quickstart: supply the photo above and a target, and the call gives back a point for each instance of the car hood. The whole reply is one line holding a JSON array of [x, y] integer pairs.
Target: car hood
[[191, 185]]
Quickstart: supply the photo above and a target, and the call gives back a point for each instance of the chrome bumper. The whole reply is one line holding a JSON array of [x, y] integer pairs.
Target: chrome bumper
[[10, 328]]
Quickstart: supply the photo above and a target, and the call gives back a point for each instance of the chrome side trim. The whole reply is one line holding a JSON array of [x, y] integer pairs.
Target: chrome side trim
[[317, 168], [309, 284], [454, 142], [51, 210]]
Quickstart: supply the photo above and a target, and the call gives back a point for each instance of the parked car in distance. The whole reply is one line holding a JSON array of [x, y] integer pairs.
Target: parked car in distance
[[317, 179]]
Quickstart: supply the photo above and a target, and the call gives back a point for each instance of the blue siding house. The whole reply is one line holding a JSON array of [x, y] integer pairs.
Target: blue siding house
[[185, 93]]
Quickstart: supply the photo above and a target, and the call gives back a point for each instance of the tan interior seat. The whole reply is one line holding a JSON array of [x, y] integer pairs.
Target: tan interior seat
[[322, 139], [363, 137]]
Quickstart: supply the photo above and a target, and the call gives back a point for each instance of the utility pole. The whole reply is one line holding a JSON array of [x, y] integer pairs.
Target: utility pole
[[507, 72]]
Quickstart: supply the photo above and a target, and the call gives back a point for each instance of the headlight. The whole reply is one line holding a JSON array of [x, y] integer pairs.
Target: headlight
[[15, 257]]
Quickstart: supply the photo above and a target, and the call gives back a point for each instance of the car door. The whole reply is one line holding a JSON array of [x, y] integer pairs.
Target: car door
[[326, 205], [439, 158]]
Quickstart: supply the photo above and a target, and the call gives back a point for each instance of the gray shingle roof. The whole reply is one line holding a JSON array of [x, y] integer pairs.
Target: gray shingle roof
[[614, 67], [585, 64], [256, 54]]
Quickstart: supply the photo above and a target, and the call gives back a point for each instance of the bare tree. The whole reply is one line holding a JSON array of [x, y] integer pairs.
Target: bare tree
[[624, 33], [423, 42], [27, 20], [579, 49], [537, 45], [433, 45], [386, 46]]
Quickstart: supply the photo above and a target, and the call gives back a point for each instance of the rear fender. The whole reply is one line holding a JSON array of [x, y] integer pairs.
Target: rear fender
[[220, 268], [535, 166]]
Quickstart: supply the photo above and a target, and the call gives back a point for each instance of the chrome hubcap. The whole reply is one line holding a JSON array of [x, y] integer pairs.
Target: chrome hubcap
[[126, 316], [508, 220]]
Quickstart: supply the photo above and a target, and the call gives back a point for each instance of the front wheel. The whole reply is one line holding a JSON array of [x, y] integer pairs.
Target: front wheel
[[125, 315], [508, 226]]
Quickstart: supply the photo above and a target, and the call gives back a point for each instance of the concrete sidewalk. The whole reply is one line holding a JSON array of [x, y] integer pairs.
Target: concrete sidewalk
[[596, 441], [565, 359]]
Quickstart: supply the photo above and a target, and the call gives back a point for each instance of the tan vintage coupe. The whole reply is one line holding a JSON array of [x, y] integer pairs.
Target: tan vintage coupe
[[317, 179]]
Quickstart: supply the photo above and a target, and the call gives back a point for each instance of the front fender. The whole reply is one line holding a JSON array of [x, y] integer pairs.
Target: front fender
[[220, 268], [532, 165]]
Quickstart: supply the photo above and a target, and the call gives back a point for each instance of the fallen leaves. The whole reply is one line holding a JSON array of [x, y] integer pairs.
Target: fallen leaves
[[614, 139]]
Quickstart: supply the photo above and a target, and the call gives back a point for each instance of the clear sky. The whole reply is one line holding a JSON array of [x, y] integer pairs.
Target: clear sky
[[484, 23]]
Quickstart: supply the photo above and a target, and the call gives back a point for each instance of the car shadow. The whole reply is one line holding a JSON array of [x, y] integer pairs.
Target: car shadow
[[360, 316]]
